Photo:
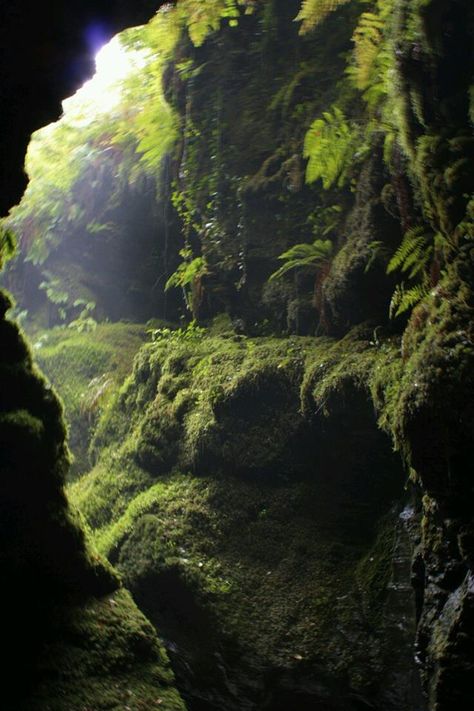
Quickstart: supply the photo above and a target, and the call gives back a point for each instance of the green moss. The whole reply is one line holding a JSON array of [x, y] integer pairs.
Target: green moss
[[374, 570], [267, 533], [104, 655], [88, 646], [87, 369]]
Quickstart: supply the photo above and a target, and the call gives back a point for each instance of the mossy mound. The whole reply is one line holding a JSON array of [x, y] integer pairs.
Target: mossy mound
[[104, 655], [264, 563]]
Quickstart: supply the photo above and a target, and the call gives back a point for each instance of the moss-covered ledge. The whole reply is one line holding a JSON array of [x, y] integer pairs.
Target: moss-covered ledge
[[240, 523]]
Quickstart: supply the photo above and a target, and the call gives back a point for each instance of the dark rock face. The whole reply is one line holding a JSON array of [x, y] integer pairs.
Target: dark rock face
[[436, 420]]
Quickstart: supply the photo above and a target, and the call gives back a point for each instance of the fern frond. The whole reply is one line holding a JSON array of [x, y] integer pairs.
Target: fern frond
[[304, 255], [367, 38], [418, 260], [313, 12], [186, 273], [330, 144], [414, 242], [405, 299]]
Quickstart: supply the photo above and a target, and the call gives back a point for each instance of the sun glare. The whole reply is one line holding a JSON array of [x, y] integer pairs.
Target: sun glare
[[103, 92]]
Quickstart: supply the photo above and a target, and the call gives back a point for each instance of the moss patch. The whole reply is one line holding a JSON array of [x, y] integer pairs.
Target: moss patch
[[272, 529], [87, 368], [104, 655]]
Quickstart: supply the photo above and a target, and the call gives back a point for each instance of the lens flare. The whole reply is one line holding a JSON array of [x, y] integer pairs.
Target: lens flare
[[101, 94]]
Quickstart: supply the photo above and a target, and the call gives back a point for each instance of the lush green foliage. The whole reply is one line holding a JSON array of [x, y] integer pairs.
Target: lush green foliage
[[96, 147], [202, 17], [305, 255], [313, 12], [87, 363], [7, 245], [418, 258], [330, 145], [188, 276]]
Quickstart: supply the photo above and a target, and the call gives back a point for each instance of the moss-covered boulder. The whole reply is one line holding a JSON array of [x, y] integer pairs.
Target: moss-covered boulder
[[264, 551]]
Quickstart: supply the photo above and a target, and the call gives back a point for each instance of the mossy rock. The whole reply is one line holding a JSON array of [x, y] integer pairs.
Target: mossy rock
[[242, 561], [79, 641], [103, 655]]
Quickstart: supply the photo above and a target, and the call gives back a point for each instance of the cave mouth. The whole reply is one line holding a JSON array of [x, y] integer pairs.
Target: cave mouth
[[336, 517]]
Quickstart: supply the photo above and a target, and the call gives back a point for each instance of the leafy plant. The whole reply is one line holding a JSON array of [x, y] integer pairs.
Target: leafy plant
[[316, 257], [367, 38], [7, 245], [313, 255], [414, 253], [84, 323], [330, 145], [191, 332], [188, 276], [313, 12], [325, 220], [404, 299], [204, 17], [55, 293], [418, 258]]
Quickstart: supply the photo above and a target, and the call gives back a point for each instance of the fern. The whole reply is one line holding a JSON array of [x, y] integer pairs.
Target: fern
[[367, 40], [418, 257], [187, 272], [414, 254], [203, 17], [188, 276], [313, 12], [330, 144], [404, 300], [304, 255]]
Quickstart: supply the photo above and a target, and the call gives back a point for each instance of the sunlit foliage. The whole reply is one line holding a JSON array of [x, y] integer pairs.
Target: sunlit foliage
[[315, 11], [203, 17], [330, 145], [7, 245]]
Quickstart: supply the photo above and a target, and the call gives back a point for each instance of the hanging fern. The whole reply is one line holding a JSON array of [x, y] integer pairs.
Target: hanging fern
[[414, 254], [304, 255], [203, 17], [404, 300], [330, 144], [371, 71], [313, 12], [187, 272], [419, 258], [367, 38]]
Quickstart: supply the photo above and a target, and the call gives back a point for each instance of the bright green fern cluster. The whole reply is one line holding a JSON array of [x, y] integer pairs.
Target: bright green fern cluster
[[330, 145], [313, 12], [417, 258], [304, 255]]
